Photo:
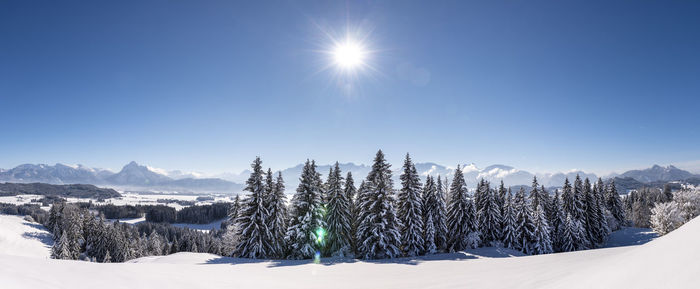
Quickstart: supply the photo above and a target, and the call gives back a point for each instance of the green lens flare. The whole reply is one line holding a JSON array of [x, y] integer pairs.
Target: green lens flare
[[320, 234]]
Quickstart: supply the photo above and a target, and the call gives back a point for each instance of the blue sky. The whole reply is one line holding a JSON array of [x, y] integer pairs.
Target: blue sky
[[208, 85]]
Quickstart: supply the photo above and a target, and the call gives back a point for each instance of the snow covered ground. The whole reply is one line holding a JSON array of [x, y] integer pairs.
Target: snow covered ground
[[22, 238], [666, 262]]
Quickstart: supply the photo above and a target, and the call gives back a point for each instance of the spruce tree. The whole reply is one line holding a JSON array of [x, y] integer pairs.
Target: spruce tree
[[567, 199], [277, 207], [61, 249], [307, 231], [458, 214], [489, 216], [557, 221], [501, 198], [338, 215], [613, 203], [253, 222], [378, 234], [524, 222], [604, 229], [591, 215], [429, 236], [535, 196], [410, 210], [568, 235], [439, 213], [510, 233], [351, 195], [543, 241]]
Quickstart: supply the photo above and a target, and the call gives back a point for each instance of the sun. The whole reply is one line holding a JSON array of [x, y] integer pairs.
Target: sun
[[349, 55]]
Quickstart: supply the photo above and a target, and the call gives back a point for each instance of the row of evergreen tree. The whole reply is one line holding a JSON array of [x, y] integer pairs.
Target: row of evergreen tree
[[374, 221], [80, 234]]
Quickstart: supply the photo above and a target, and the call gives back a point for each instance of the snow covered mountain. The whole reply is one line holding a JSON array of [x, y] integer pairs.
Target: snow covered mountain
[[131, 176], [658, 173], [135, 176]]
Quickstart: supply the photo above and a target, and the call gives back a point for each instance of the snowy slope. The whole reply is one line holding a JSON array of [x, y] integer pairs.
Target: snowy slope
[[19, 237], [667, 262]]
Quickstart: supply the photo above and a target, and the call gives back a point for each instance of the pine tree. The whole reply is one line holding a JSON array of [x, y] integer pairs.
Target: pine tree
[[429, 236], [410, 210], [501, 198], [338, 215], [439, 213], [306, 234], [613, 203], [568, 200], [351, 195], [378, 232], [543, 242], [591, 215], [510, 233], [277, 208], [524, 222], [557, 221], [535, 195], [253, 223], [568, 235], [458, 215], [489, 216], [61, 249], [604, 229]]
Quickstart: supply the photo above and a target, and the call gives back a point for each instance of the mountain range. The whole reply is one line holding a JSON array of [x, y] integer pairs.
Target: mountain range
[[139, 177]]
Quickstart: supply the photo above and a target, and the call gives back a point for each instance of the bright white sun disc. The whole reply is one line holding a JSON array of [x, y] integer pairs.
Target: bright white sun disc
[[349, 55]]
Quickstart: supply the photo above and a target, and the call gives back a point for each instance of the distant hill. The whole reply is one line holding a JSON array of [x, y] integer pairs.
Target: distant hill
[[64, 191], [131, 176], [658, 173]]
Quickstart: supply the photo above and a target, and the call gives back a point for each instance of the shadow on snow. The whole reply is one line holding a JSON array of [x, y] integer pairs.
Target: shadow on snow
[[471, 254]]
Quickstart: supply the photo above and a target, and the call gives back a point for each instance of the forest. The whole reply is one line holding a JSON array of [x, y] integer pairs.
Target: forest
[[371, 221]]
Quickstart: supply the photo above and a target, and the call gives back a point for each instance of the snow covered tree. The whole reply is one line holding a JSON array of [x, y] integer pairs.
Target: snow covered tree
[[378, 234], [567, 199], [439, 213], [543, 242], [501, 198], [604, 228], [277, 220], [61, 249], [410, 210], [579, 208], [459, 218], [351, 195], [536, 198], [569, 235], [688, 203], [524, 223], [155, 244], [307, 230], [592, 223], [429, 236], [557, 221], [338, 215], [510, 232], [613, 203], [665, 217], [489, 216], [253, 221]]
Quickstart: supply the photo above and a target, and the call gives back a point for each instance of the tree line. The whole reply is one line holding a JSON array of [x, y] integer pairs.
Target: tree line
[[81, 235], [375, 221]]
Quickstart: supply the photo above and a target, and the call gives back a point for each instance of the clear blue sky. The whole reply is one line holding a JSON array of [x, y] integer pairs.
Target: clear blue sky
[[208, 85]]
